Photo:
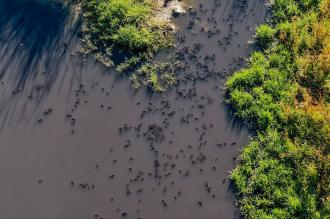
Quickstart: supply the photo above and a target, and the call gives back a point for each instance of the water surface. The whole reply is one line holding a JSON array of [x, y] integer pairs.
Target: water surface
[[77, 141]]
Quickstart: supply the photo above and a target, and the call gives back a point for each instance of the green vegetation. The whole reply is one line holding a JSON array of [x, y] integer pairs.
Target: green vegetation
[[284, 94], [126, 34]]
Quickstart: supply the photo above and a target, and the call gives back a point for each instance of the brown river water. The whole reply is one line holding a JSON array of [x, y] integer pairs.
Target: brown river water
[[77, 141]]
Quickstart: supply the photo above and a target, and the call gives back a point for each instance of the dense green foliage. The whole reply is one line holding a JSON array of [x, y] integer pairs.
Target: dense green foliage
[[284, 94], [126, 34]]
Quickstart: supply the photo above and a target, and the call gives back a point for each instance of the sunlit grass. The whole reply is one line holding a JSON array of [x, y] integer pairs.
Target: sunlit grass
[[284, 93]]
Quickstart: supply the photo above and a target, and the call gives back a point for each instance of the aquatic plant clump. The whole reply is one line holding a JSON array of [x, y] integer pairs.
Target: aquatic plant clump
[[284, 94], [125, 34]]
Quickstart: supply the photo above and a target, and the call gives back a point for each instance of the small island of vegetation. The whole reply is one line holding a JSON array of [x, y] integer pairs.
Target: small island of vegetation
[[127, 34]]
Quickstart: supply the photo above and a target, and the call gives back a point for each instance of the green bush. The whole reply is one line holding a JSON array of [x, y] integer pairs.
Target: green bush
[[133, 38], [265, 35]]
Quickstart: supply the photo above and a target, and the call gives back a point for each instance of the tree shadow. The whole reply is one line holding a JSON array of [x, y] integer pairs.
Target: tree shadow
[[35, 36]]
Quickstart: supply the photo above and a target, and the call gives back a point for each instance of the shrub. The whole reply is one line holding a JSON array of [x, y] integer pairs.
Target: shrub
[[265, 35], [133, 38]]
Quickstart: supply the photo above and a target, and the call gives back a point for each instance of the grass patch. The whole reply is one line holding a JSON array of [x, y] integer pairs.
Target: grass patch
[[284, 94], [125, 34]]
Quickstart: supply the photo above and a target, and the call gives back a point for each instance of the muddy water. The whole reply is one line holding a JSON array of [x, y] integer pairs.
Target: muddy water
[[77, 141]]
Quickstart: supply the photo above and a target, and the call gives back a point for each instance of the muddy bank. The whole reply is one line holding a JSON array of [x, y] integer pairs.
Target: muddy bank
[[78, 141]]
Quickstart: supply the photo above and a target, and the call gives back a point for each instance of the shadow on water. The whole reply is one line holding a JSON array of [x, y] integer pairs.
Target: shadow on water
[[32, 49], [234, 123]]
